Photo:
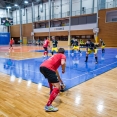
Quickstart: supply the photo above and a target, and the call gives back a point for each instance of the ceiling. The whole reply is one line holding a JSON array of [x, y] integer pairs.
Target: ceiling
[[5, 3]]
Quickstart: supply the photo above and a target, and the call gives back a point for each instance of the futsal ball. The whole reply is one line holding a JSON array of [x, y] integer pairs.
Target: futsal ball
[[63, 87]]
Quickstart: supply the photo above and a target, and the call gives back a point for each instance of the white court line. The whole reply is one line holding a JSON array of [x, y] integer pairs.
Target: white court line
[[90, 71]]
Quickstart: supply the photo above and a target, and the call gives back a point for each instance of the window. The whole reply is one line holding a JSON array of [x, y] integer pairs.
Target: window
[[114, 19], [83, 37], [111, 16]]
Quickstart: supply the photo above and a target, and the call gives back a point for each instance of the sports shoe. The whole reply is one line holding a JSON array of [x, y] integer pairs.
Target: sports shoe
[[96, 62], [51, 108], [80, 54]]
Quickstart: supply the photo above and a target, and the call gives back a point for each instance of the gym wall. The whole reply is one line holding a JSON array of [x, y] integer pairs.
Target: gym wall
[[107, 30], [26, 30]]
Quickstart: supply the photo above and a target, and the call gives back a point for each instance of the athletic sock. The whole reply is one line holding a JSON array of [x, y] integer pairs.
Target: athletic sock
[[86, 59], [44, 53], [53, 95], [96, 58], [79, 51], [51, 87], [103, 50]]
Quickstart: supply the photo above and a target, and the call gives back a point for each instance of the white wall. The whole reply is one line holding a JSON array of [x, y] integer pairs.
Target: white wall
[[109, 0], [14, 16], [65, 8], [75, 7], [111, 3], [57, 8], [3, 14]]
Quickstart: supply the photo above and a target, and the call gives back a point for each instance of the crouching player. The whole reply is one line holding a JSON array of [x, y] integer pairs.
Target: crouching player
[[49, 69]]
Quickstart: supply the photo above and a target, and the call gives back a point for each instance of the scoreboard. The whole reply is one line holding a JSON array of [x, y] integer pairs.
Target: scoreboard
[[6, 21]]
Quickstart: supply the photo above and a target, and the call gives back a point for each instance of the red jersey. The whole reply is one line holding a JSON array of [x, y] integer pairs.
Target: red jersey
[[53, 62], [11, 42], [46, 43]]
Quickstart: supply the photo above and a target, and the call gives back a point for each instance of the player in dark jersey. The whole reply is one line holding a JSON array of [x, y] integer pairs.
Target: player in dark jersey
[[49, 69], [71, 42], [76, 46], [91, 48], [102, 45], [54, 45]]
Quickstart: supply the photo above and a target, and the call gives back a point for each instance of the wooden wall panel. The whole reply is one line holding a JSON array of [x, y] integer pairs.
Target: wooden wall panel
[[59, 33], [15, 31], [65, 33], [41, 34], [27, 29], [107, 31], [82, 32]]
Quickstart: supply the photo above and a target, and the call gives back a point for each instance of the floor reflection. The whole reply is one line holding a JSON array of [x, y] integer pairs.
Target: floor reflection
[[77, 71]]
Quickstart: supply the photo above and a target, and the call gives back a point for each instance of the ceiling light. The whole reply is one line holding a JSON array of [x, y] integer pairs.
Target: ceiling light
[[26, 2], [8, 7], [15, 5]]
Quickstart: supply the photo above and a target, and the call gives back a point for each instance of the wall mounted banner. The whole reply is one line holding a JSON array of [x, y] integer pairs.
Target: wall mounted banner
[[6, 21], [61, 28], [4, 38]]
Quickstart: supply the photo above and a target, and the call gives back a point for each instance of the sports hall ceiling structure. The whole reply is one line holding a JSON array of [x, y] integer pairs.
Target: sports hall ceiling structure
[[21, 3]]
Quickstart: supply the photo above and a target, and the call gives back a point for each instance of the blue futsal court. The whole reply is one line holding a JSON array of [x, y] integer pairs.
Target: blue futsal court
[[77, 71]]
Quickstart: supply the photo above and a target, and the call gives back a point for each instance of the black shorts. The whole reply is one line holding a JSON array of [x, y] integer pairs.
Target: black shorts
[[49, 74], [45, 48]]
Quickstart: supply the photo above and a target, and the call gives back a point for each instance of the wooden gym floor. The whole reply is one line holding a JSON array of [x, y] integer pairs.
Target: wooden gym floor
[[94, 98]]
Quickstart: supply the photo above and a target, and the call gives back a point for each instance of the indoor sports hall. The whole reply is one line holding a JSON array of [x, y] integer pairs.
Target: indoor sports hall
[[86, 29]]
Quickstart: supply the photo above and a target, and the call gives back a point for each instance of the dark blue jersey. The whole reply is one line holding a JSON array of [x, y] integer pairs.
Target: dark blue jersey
[[90, 45], [75, 43], [102, 43], [54, 43]]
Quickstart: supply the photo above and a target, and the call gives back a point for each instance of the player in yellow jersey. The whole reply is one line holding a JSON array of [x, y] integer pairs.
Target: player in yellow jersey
[[76, 47], [91, 48], [54, 45], [102, 45]]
